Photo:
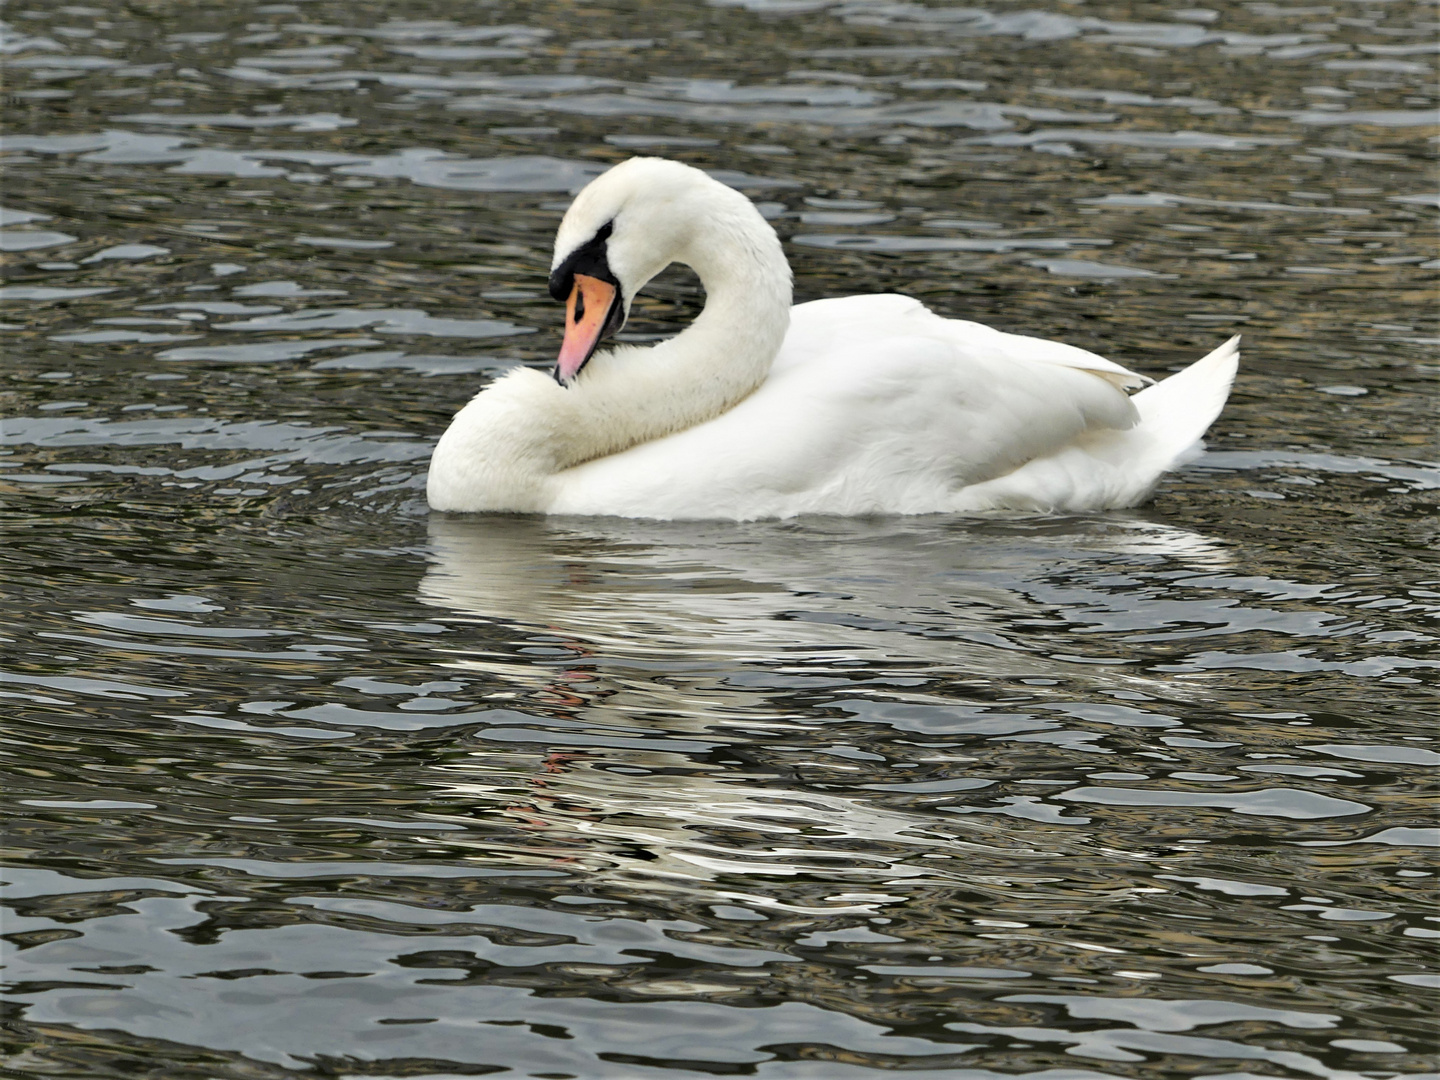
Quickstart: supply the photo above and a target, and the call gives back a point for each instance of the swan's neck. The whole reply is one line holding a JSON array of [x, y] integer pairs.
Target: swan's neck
[[505, 447]]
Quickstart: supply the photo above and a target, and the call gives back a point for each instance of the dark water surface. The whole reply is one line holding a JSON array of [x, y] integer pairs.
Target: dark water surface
[[304, 781]]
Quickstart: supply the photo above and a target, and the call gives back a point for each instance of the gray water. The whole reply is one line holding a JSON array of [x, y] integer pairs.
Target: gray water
[[303, 781]]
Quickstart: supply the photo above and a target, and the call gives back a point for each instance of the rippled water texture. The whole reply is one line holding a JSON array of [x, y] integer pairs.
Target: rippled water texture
[[306, 782]]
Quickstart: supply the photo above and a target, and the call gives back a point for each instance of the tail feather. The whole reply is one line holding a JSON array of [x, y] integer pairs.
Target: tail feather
[[1176, 412]]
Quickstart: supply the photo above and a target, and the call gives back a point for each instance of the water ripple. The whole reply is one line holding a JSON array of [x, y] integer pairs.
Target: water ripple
[[304, 779]]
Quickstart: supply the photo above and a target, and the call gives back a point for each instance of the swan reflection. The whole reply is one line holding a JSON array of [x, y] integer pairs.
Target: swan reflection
[[673, 673], [929, 590]]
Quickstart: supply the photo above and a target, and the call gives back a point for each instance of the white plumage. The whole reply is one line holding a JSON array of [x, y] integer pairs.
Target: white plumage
[[855, 405]]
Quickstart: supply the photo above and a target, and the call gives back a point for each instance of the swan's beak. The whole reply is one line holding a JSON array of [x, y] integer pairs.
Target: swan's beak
[[589, 316]]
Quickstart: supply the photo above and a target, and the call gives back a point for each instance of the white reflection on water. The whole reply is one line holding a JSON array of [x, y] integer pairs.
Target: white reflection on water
[[924, 590], [655, 629]]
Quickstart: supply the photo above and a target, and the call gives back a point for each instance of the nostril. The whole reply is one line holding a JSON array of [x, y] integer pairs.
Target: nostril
[[579, 305]]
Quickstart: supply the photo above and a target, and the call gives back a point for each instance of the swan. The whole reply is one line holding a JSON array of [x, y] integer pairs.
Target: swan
[[848, 406]]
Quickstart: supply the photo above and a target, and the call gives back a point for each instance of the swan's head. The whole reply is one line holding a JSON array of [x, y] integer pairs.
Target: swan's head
[[624, 227]]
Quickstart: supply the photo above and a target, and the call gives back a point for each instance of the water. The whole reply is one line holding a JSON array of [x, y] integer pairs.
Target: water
[[303, 781]]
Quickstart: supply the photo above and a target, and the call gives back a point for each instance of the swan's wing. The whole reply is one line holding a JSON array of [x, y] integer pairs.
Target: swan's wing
[[819, 327], [884, 409]]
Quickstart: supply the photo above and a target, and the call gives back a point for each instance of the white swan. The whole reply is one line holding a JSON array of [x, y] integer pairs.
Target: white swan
[[856, 405]]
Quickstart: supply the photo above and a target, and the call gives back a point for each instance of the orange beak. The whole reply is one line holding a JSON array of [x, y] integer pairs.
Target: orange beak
[[587, 313]]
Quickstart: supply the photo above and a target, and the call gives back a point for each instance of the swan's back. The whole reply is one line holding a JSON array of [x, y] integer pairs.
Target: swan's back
[[821, 326]]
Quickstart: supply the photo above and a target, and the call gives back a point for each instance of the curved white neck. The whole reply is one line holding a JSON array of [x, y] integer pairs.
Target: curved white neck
[[504, 447]]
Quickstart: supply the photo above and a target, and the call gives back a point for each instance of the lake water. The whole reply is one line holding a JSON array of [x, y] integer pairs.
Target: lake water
[[304, 781]]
